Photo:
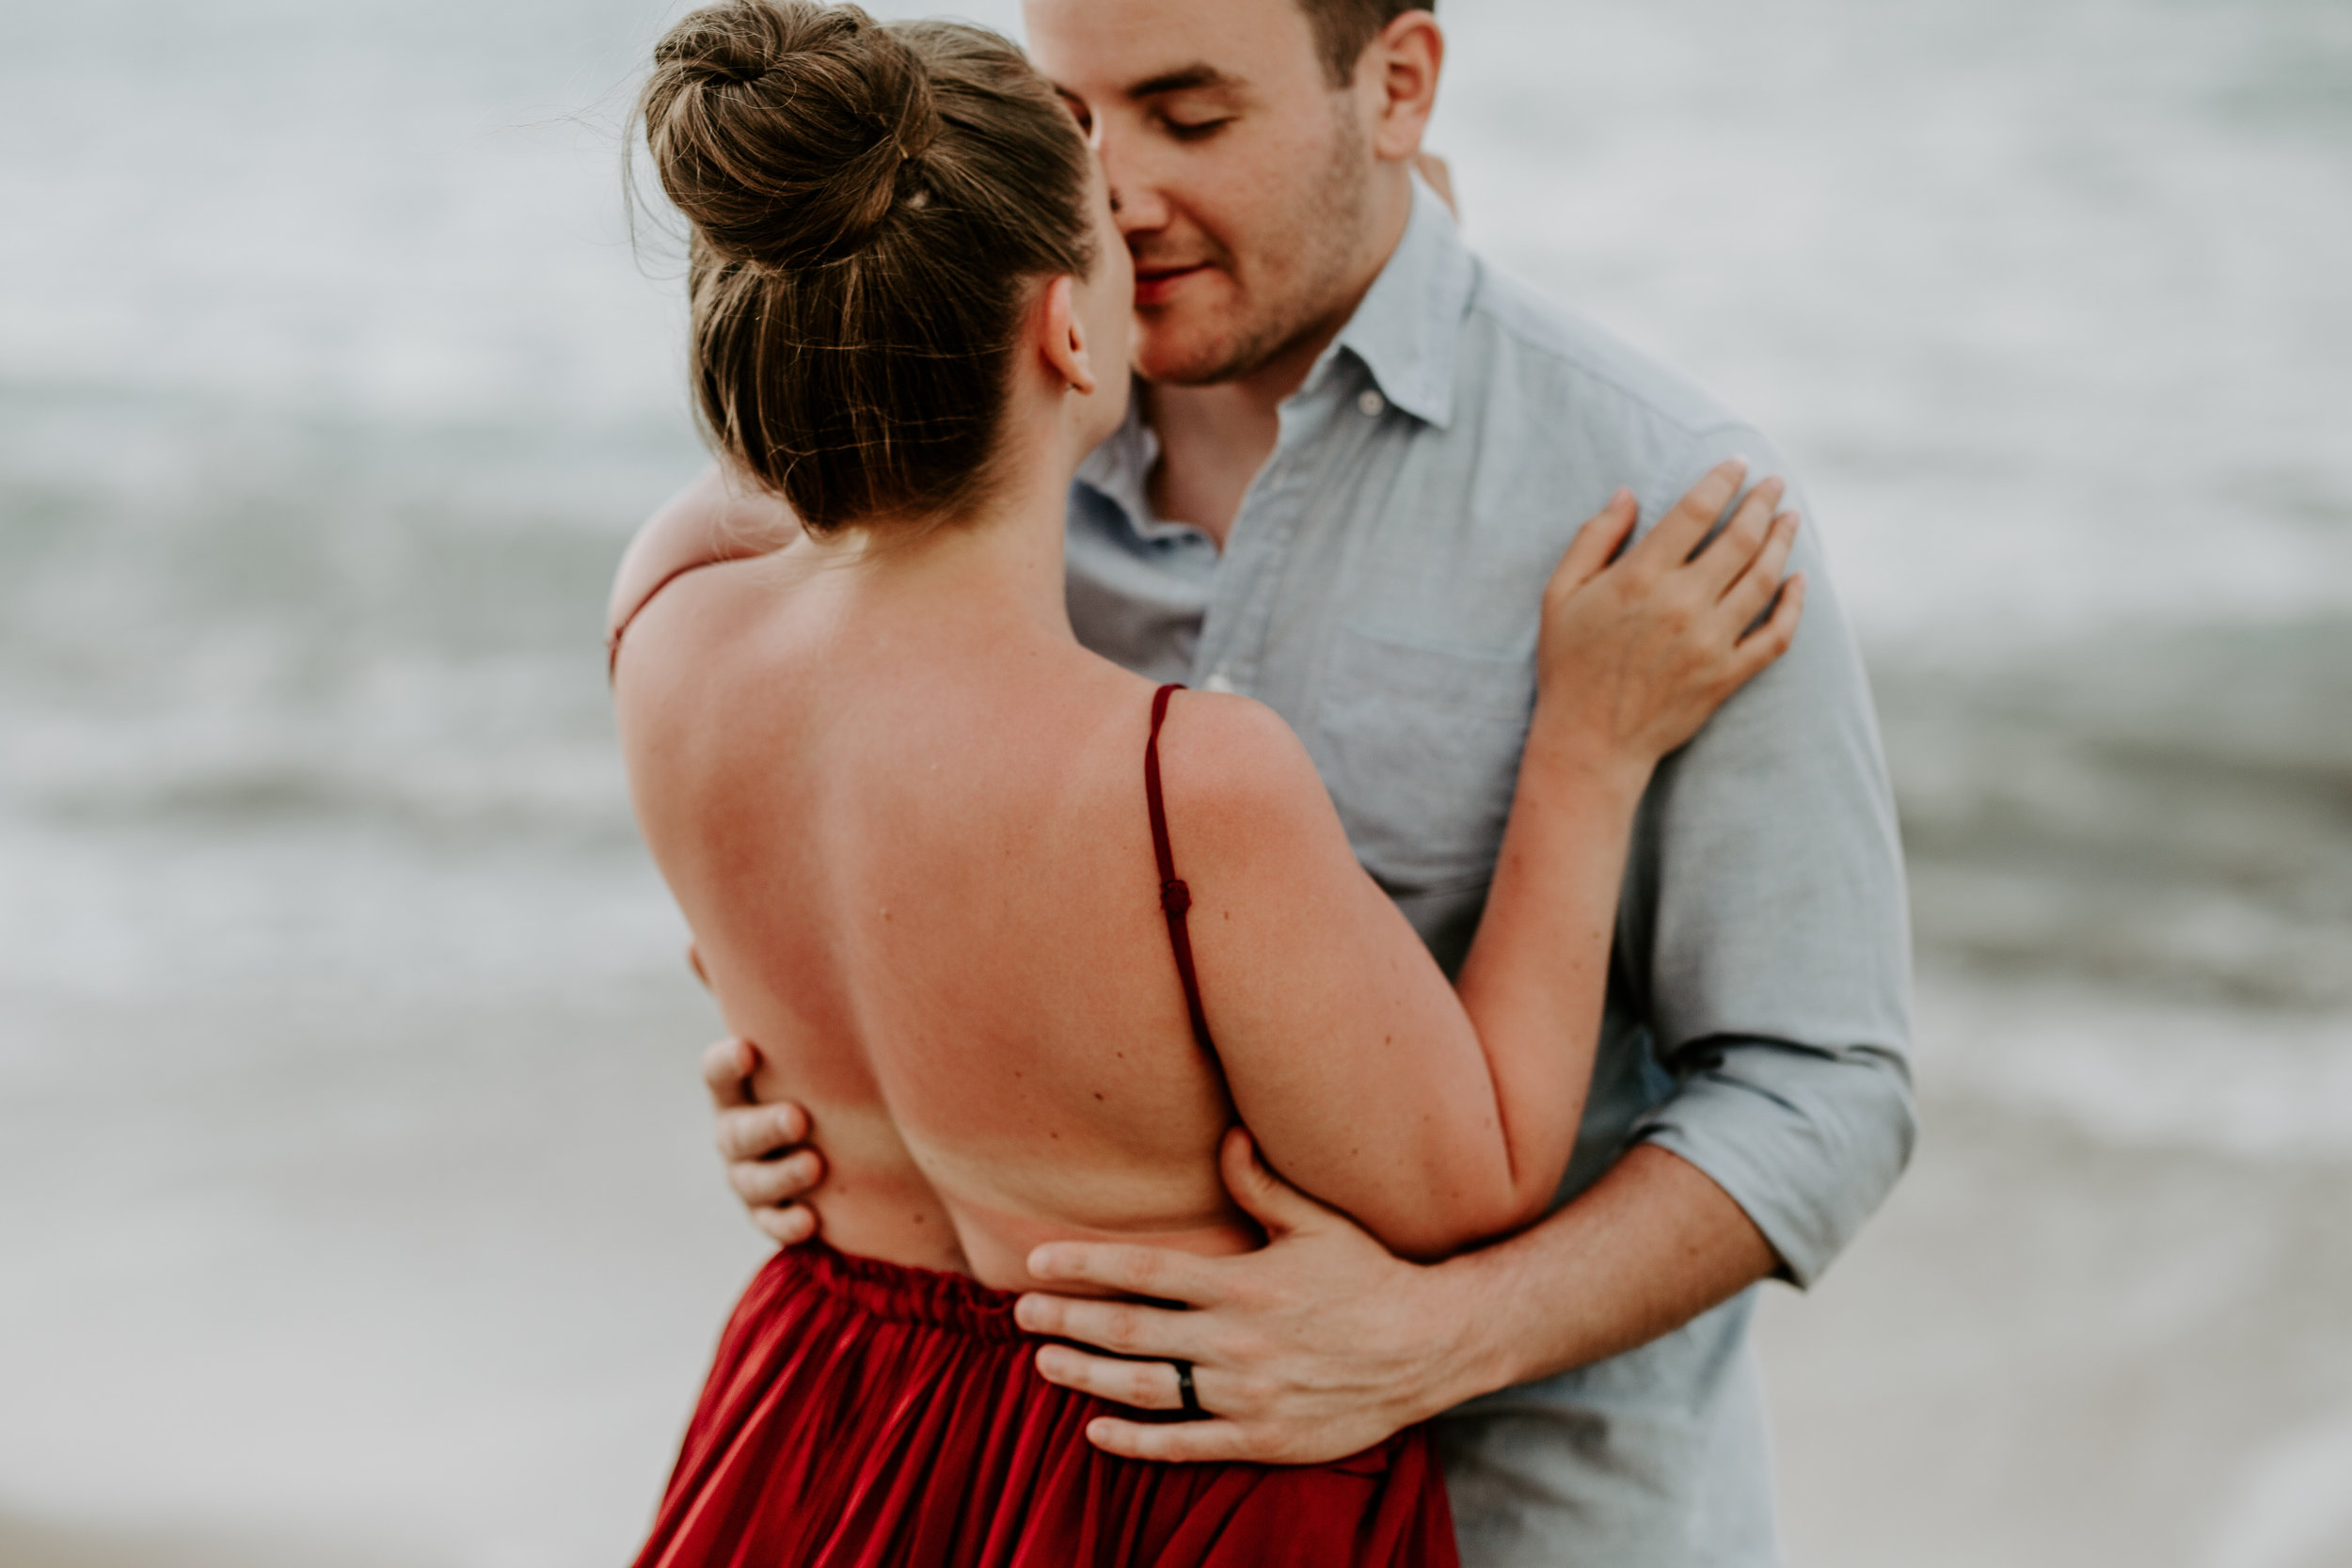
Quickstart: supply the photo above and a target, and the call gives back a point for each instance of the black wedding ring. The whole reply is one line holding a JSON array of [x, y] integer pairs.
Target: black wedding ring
[[1185, 1389]]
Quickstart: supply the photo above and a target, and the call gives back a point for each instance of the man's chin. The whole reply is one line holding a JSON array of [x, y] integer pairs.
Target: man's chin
[[1175, 357]]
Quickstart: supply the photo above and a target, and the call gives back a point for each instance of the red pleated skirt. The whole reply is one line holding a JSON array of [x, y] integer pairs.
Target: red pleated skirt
[[868, 1414]]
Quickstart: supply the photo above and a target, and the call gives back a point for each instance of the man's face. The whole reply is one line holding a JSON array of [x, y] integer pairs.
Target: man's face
[[1244, 178]]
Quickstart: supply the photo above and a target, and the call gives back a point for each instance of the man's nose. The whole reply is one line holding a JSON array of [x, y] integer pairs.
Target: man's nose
[[1136, 201]]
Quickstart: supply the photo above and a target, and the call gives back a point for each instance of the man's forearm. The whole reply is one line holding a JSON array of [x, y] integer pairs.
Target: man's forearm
[[1321, 1343], [1648, 1248]]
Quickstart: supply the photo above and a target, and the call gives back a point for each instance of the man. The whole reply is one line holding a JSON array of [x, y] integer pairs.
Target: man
[[1357, 455]]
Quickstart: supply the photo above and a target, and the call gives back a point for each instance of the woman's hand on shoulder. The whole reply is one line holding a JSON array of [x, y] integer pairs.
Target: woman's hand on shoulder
[[1641, 644]]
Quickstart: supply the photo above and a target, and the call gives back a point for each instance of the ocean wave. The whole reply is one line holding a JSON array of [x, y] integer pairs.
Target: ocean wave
[[2166, 810], [2130, 1069]]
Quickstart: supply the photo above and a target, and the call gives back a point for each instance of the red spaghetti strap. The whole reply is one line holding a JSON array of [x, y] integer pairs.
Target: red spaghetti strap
[[1175, 898]]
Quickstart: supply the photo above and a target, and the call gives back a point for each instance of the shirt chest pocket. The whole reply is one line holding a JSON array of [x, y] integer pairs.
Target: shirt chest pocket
[[1420, 749]]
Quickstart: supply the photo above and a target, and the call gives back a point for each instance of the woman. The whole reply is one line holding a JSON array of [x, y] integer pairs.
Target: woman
[[1027, 936]]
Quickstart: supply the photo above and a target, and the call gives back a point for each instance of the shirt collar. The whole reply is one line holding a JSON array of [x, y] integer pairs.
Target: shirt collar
[[1409, 321]]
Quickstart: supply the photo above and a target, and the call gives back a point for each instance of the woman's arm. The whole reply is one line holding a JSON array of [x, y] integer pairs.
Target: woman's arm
[[1437, 1117], [713, 519]]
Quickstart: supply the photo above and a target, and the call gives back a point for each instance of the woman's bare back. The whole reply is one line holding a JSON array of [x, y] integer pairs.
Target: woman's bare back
[[903, 811], [925, 885]]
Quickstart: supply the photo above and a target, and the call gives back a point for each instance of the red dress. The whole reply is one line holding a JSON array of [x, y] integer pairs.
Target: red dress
[[871, 1414]]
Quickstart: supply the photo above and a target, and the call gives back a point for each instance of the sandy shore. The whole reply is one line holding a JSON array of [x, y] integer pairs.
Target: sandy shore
[[187, 1544], [2051, 1351], [313, 1285]]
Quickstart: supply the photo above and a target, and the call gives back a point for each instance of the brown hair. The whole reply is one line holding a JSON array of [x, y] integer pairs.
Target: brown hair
[[1345, 28], [869, 205]]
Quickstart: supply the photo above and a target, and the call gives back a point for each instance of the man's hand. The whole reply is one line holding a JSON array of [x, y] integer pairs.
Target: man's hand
[[759, 1142], [1316, 1346], [1321, 1344]]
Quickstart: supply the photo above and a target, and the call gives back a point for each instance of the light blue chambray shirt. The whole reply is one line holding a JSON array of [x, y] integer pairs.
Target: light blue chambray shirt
[[1380, 591]]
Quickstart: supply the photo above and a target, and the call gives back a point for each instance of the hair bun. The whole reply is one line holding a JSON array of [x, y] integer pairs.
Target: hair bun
[[783, 129], [871, 206]]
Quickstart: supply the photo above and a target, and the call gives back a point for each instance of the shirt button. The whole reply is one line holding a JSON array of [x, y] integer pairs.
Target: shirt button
[[1371, 403], [1219, 681]]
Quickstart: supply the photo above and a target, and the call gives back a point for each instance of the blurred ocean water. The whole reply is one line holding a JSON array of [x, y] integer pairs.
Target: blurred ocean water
[[330, 387]]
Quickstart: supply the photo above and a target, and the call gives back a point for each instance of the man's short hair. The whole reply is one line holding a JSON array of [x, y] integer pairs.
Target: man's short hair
[[1343, 29]]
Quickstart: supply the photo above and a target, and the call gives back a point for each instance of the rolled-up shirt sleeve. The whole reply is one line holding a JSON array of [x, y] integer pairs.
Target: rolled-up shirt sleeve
[[1766, 920], [1807, 1143]]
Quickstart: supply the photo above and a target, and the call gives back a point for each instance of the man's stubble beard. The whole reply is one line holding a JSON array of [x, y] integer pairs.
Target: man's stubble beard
[[1336, 215]]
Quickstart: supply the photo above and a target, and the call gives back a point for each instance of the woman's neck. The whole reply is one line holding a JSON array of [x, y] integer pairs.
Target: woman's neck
[[993, 571]]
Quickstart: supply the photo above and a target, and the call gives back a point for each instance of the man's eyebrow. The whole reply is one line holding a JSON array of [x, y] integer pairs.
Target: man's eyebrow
[[1191, 78]]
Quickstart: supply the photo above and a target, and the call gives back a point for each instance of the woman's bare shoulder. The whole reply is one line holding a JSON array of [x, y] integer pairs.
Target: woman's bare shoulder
[[1240, 783]]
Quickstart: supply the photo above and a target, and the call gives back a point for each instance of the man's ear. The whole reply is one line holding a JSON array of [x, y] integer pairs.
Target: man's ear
[[1403, 65], [1062, 338]]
